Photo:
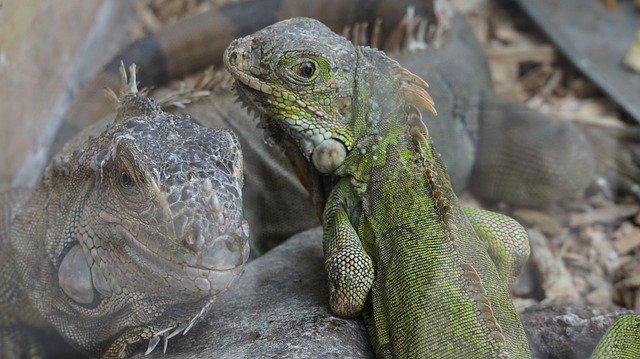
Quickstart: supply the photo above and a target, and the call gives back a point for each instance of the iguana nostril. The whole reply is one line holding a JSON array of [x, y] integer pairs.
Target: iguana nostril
[[233, 58], [194, 240], [225, 252]]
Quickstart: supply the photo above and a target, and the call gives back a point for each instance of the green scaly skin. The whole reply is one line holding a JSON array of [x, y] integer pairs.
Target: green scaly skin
[[392, 225], [431, 277], [622, 340]]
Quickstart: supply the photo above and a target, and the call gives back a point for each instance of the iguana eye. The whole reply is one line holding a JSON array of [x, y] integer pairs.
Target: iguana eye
[[125, 180], [307, 69]]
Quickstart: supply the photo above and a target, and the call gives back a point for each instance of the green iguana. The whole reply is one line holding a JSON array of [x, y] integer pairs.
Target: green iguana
[[131, 233], [430, 276]]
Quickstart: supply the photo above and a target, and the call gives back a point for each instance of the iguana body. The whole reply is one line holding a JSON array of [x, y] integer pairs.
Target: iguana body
[[392, 225], [128, 237], [431, 278]]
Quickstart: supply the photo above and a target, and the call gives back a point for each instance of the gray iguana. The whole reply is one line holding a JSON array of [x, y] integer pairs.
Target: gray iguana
[[132, 231], [430, 276]]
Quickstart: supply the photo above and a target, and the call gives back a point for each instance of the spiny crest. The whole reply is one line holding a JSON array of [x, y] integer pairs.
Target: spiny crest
[[415, 88], [473, 284], [130, 102], [442, 203], [419, 133], [128, 85]]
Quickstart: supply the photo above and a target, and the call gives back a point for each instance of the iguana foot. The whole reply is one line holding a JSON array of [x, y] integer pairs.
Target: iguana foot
[[349, 268]]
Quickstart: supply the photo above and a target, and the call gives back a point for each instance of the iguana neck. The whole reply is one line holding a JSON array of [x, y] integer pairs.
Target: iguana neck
[[378, 118]]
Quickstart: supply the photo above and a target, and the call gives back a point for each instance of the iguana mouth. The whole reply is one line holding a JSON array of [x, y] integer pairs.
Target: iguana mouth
[[210, 270], [236, 60], [317, 145], [188, 277]]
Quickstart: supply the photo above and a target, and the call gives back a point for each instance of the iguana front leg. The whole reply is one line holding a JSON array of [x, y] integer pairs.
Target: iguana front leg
[[349, 268], [507, 241], [508, 247]]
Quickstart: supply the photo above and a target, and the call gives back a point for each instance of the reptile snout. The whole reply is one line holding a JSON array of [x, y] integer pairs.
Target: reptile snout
[[238, 54], [244, 55], [225, 252], [216, 245]]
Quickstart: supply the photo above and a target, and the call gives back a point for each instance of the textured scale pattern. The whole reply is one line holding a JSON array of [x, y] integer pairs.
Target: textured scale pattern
[[349, 268], [431, 294], [391, 211], [622, 340], [508, 244], [525, 160]]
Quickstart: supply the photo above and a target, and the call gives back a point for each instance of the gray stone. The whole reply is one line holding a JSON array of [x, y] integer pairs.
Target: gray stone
[[279, 309], [566, 331]]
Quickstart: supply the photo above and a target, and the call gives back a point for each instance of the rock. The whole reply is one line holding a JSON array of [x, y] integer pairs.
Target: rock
[[566, 331], [279, 309]]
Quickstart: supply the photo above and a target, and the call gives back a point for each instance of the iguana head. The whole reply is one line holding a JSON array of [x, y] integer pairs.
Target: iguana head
[[322, 90], [301, 74], [151, 216]]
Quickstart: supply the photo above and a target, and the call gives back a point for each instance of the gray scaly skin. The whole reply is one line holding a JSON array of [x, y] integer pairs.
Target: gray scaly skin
[[397, 243], [128, 237], [430, 276]]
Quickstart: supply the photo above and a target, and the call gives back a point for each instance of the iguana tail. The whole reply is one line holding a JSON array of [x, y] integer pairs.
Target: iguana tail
[[529, 158], [524, 156]]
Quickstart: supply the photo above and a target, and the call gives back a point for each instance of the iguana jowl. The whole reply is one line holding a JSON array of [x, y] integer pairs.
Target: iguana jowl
[[392, 224], [128, 237]]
